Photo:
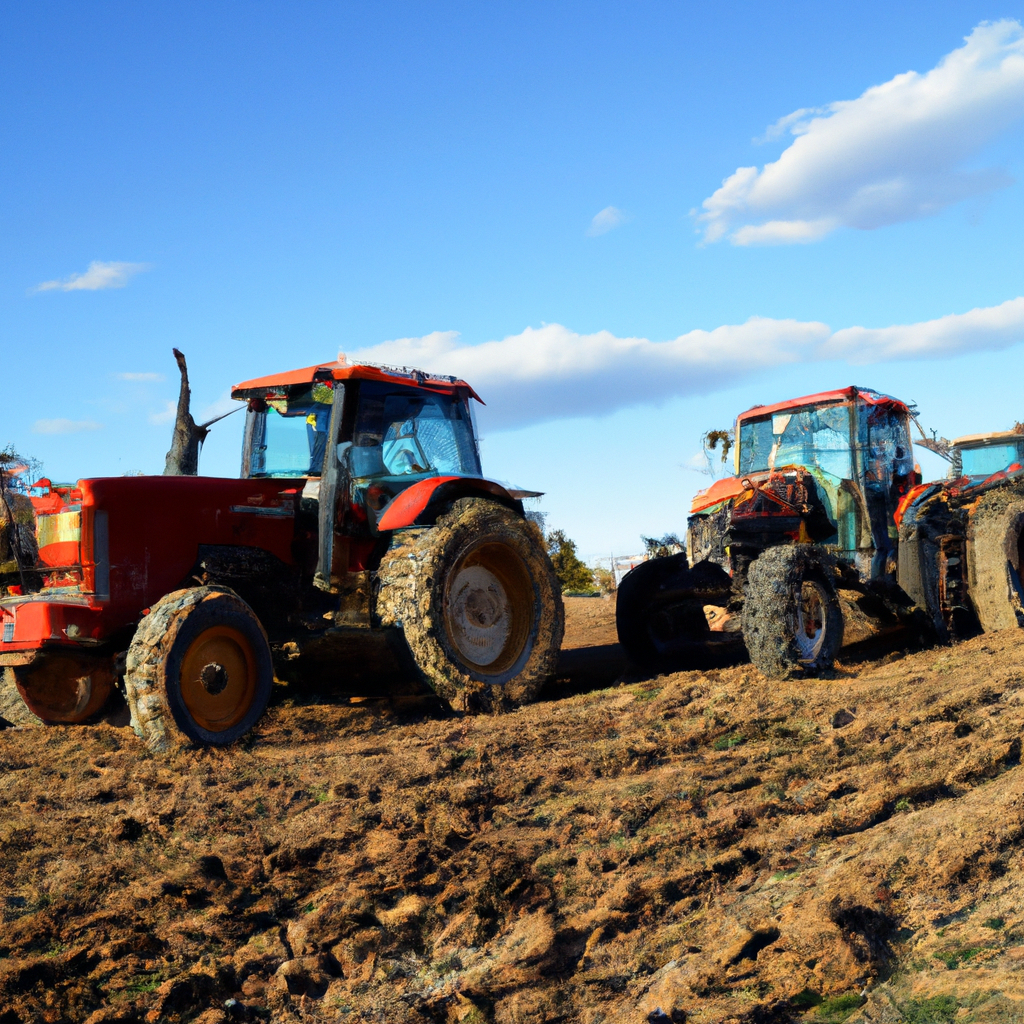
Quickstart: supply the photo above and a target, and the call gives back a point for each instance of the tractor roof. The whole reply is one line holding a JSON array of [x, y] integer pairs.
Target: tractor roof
[[993, 437], [823, 397], [341, 369]]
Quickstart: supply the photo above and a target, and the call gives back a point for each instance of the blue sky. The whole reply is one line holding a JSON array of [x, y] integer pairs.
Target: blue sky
[[264, 184]]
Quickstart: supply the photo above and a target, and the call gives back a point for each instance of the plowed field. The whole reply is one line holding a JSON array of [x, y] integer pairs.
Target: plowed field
[[705, 846]]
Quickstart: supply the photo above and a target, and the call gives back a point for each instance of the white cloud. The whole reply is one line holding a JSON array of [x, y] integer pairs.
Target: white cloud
[[166, 414], [98, 277], [894, 154], [552, 372], [989, 329], [223, 405], [139, 376], [64, 426], [603, 222]]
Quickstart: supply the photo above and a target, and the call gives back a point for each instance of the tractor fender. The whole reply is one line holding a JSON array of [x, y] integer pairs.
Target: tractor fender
[[420, 504], [917, 495]]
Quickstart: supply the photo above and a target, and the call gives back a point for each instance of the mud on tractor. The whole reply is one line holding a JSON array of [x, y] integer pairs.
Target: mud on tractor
[[361, 543], [826, 498], [961, 540]]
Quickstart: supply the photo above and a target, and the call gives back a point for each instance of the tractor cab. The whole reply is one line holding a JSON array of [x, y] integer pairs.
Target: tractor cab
[[978, 457], [379, 430], [369, 448], [828, 469]]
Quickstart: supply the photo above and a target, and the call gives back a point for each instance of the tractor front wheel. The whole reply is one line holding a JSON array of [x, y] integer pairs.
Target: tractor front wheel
[[198, 667], [792, 619], [479, 604]]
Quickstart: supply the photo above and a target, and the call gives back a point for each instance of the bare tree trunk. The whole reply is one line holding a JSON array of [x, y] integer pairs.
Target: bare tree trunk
[[183, 458]]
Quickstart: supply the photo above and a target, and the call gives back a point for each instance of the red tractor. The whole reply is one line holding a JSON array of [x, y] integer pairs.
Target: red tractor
[[361, 541], [826, 498]]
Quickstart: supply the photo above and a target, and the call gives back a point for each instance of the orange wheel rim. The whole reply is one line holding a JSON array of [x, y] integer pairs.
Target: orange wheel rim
[[65, 690], [218, 678]]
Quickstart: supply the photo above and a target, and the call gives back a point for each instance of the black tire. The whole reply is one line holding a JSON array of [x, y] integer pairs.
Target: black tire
[[659, 611], [995, 546], [918, 571], [13, 710], [792, 618], [199, 667], [479, 605]]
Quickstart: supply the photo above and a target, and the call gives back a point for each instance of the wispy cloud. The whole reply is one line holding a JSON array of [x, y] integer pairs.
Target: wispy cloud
[[98, 277], [139, 376], [988, 329], [64, 426], [552, 372], [896, 153], [224, 404], [164, 415], [603, 222]]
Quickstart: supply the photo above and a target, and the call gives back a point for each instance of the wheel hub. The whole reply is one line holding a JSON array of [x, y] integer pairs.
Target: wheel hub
[[811, 619], [480, 615], [218, 678], [62, 689], [214, 678]]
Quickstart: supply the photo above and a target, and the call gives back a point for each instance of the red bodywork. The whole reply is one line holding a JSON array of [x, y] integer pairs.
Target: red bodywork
[[406, 508], [721, 490], [154, 527], [110, 548]]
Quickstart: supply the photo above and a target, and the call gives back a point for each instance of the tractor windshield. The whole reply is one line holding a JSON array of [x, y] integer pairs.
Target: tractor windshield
[[402, 432], [817, 437], [989, 459], [290, 432]]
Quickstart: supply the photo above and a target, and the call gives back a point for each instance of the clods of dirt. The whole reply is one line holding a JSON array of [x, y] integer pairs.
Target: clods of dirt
[[703, 846]]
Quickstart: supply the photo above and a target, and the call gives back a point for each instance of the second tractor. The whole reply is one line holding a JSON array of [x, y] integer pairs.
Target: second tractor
[[826, 498]]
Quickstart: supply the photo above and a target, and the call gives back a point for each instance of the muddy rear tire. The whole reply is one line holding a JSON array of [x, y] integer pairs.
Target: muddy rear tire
[[659, 610], [995, 544], [479, 605], [199, 668], [13, 710], [792, 618]]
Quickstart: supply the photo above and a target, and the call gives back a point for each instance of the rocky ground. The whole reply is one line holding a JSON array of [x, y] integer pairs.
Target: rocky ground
[[703, 846]]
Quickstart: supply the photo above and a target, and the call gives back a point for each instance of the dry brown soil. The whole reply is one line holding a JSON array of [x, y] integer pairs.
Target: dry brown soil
[[705, 846]]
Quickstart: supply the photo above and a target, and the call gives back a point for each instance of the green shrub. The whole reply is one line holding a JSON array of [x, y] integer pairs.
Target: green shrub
[[837, 1008], [953, 958], [807, 998], [936, 1010], [572, 572], [728, 742]]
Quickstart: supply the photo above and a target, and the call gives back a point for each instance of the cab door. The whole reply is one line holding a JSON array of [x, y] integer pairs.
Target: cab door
[[333, 484]]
